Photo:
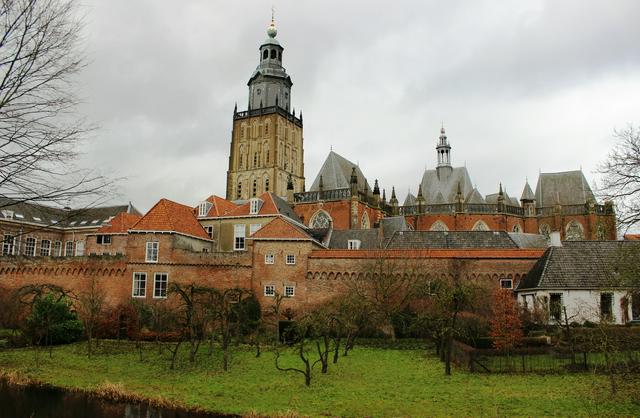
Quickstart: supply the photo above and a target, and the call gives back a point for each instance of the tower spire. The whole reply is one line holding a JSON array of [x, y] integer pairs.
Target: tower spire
[[443, 149]]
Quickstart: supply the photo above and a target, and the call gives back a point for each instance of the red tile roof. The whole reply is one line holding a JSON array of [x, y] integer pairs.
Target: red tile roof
[[120, 224], [170, 216], [268, 207], [279, 228], [439, 253], [632, 237], [220, 206]]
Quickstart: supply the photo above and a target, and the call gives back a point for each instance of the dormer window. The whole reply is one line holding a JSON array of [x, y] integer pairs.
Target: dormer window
[[254, 206], [353, 244], [7, 214], [203, 208]]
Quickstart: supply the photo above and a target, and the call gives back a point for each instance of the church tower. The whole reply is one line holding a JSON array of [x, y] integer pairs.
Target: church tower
[[266, 141]]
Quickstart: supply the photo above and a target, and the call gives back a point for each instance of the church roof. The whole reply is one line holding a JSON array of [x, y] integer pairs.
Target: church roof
[[460, 239], [474, 197], [441, 186], [527, 193], [565, 188], [336, 174], [410, 200]]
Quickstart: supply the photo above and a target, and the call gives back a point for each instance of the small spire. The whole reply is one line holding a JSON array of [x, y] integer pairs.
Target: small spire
[[384, 195], [419, 191], [300, 115], [235, 108], [321, 183], [500, 192], [459, 189], [393, 192], [294, 112], [376, 188], [354, 176]]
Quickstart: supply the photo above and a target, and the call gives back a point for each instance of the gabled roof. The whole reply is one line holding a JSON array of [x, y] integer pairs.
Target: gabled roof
[[410, 200], [474, 197], [220, 206], [565, 188], [271, 205], [336, 174], [280, 228], [169, 216], [581, 265], [120, 224]]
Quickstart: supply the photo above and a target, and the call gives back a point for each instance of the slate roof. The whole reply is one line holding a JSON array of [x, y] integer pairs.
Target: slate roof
[[271, 205], [410, 200], [452, 240], [59, 217], [474, 197], [566, 188], [577, 265], [170, 216], [120, 224], [441, 186], [524, 240], [527, 193], [336, 174], [369, 238]]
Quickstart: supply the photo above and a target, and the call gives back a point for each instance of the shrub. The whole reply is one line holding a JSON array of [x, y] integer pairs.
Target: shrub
[[52, 321]]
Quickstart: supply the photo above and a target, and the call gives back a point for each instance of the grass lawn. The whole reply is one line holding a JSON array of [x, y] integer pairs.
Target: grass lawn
[[369, 382]]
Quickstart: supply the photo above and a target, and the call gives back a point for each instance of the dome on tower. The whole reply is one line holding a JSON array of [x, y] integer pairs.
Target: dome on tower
[[271, 30]]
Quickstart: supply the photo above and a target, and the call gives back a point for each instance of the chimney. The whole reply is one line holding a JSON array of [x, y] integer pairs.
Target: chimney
[[554, 239]]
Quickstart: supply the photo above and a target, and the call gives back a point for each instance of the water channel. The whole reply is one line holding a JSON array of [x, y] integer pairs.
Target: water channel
[[45, 402]]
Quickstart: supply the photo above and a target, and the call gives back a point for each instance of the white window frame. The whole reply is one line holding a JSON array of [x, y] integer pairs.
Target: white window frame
[[8, 244], [353, 244], [156, 276], [286, 291], [152, 249], [254, 206], [504, 281], [68, 250], [79, 248], [45, 248], [253, 228], [239, 237], [269, 290], [30, 251], [210, 230], [57, 249], [141, 276], [203, 209], [290, 259], [269, 258]]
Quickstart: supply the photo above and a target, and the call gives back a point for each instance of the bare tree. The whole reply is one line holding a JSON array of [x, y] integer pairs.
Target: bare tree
[[40, 129], [621, 176], [90, 306]]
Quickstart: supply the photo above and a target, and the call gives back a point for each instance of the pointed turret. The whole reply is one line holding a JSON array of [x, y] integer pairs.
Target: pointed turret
[[376, 193], [353, 182], [393, 201], [443, 149], [459, 199], [528, 200], [500, 199], [420, 202]]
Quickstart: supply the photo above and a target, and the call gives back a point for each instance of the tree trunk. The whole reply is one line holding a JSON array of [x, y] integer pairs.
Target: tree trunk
[[336, 351]]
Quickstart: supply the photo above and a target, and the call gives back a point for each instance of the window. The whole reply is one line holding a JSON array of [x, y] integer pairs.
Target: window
[[255, 204], [8, 245], [320, 219], [353, 244], [57, 248], [555, 306], [45, 248], [239, 191], [160, 281], [253, 228], [68, 248], [139, 285], [209, 230], [291, 259], [151, 255], [273, 53], [265, 54], [79, 248], [30, 247], [238, 237], [635, 306], [203, 208], [103, 239], [269, 259], [255, 189], [606, 306], [506, 283], [266, 181], [269, 290], [289, 291]]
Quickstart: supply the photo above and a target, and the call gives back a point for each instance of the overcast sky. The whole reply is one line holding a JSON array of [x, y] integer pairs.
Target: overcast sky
[[522, 87]]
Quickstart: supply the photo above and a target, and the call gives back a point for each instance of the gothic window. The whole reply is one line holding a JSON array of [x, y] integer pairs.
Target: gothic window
[[239, 190], [320, 219], [266, 152], [255, 159], [265, 54], [480, 226], [255, 187], [545, 230], [439, 226], [273, 53], [517, 228], [266, 128], [266, 184], [574, 231], [600, 234], [365, 221]]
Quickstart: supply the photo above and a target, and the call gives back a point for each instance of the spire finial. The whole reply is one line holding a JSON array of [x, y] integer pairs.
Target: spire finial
[[273, 14], [271, 30]]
